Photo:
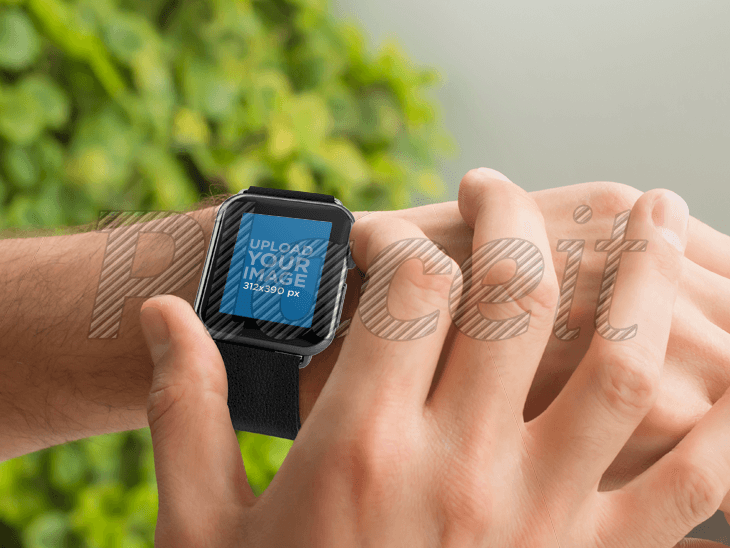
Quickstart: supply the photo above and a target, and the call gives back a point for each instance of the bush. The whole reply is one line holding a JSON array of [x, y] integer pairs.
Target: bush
[[141, 104]]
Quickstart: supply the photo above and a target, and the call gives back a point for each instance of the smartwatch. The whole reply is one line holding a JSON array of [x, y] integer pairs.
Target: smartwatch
[[271, 297]]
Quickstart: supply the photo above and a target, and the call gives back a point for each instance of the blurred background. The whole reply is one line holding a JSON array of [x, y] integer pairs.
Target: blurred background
[[569, 91], [143, 104]]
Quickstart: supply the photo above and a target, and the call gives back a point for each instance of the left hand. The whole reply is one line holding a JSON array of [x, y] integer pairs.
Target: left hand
[[697, 364]]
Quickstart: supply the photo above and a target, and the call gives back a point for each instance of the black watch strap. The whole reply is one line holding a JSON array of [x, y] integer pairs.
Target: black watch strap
[[263, 385], [263, 390], [299, 195]]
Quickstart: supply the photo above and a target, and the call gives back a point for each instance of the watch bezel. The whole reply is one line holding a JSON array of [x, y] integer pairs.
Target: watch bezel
[[247, 331]]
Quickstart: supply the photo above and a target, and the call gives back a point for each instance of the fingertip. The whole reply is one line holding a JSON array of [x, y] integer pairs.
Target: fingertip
[[179, 315], [668, 213], [156, 331], [671, 217], [157, 301], [493, 174]]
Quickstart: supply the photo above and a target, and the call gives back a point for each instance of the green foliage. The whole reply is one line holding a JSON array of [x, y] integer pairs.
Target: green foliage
[[140, 104]]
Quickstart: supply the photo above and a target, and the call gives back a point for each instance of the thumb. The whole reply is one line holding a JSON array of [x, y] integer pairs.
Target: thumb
[[197, 457]]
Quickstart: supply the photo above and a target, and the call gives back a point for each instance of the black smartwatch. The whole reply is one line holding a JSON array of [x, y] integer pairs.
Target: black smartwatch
[[271, 297]]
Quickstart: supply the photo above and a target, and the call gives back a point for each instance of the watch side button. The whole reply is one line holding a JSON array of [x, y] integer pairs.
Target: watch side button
[[350, 261], [342, 304]]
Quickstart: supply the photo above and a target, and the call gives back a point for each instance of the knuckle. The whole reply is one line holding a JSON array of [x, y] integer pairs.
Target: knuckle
[[697, 493], [466, 506], [370, 458], [161, 400], [364, 228], [432, 288], [472, 183], [546, 295], [540, 299], [477, 185], [668, 263], [665, 259], [614, 197], [627, 379], [540, 303], [464, 488]]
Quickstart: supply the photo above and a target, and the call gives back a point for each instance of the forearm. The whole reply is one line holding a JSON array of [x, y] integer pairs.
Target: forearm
[[58, 383]]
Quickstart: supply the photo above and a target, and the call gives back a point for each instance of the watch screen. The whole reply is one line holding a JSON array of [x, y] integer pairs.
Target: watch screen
[[276, 268]]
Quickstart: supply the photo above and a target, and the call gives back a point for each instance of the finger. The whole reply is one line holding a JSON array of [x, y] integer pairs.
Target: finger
[[699, 347], [684, 488], [708, 248], [617, 381], [197, 456], [397, 333], [506, 312], [709, 292]]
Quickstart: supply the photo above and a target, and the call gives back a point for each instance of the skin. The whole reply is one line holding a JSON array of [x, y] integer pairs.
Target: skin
[[697, 368], [58, 385], [450, 464]]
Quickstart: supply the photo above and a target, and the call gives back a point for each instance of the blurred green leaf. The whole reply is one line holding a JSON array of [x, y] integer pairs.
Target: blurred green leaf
[[246, 171], [22, 212], [429, 183], [3, 191], [66, 26], [310, 118], [47, 203], [21, 115], [125, 36], [19, 41], [346, 161], [67, 466], [166, 177], [100, 514], [20, 167], [48, 530], [50, 96], [190, 128], [300, 177], [51, 156]]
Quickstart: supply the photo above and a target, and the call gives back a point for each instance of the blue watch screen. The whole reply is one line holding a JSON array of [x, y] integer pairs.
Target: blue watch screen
[[276, 269]]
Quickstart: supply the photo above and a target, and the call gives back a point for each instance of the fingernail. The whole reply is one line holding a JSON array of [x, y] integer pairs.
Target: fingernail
[[493, 173], [671, 217], [156, 331]]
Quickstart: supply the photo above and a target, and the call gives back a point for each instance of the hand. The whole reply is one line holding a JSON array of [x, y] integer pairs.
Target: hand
[[383, 461], [697, 363]]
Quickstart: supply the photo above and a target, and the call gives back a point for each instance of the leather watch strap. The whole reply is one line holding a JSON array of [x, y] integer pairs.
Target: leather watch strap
[[263, 390]]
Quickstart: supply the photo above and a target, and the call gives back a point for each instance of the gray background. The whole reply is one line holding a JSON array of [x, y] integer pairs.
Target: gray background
[[570, 91]]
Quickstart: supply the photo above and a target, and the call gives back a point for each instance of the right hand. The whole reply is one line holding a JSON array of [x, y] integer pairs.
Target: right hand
[[384, 461]]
